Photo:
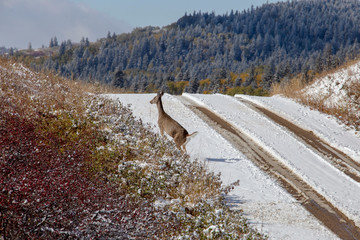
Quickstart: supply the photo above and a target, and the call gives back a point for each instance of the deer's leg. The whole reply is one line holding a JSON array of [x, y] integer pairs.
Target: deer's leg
[[179, 141], [178, 145], [184, 147], [162, 132]]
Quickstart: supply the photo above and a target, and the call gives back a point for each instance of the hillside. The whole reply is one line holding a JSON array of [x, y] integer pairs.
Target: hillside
[[335, 92], [80, 166], [299, 169], [232, 53]]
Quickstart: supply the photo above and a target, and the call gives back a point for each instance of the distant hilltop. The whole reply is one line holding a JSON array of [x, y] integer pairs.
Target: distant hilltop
[[237, 52]]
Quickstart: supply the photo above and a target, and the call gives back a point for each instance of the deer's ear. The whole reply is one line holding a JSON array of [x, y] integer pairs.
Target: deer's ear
[[161, 93]]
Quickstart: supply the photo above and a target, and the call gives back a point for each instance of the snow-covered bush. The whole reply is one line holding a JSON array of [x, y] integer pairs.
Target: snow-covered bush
[[75, 165]]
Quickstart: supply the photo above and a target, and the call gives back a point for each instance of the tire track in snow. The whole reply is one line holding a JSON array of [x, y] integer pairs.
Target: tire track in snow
[[314, 202], [336, 157]]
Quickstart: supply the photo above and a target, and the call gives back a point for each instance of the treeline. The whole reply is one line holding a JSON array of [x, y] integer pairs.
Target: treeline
[[236, 52], [4, 50]]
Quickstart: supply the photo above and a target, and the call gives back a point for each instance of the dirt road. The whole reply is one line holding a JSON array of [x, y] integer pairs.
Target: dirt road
[[336, 157], [311, 199]]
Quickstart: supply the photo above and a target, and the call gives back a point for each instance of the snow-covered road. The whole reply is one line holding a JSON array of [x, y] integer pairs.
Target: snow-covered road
[[270, 208]]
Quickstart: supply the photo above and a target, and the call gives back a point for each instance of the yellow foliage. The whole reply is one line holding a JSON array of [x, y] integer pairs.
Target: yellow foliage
[[222, 82], [205, 82], [177, 87], [151, 88], [157, 36], [246, 90], [243, 76], [233, 76], [258, 79]]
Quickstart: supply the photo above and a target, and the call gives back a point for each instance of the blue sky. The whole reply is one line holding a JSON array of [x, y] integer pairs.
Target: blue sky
[[164, 12], [36, 21]]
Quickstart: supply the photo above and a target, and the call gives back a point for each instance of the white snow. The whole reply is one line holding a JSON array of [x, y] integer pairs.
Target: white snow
[[270, 208], [333, 89], [322, 125], [333, 184]]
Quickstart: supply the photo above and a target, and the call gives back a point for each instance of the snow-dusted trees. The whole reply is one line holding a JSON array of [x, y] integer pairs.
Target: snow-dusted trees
[[53, 42], [282, 38]]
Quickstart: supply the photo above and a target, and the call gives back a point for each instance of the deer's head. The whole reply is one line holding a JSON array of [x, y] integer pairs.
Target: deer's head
[[157, 98]]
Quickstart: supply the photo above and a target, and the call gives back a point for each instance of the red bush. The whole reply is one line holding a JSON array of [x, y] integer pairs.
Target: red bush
[[47, 192]]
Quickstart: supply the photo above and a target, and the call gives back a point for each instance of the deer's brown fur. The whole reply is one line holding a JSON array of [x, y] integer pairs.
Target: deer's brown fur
[[170, 126]]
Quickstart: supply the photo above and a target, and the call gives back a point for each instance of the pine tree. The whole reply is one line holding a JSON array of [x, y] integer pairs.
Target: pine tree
[[251, 78], [62, 49], [118, 78], [320, 36], [193, 86], [56, 43]]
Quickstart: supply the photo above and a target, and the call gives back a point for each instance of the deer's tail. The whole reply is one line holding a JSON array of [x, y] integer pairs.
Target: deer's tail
[[193, 134], [188, 136]]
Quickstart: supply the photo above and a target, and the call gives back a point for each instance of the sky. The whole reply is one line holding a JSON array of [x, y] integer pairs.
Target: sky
[[36, 21]]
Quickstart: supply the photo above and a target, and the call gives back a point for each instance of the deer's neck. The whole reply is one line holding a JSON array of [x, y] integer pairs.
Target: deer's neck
[[160, 108]]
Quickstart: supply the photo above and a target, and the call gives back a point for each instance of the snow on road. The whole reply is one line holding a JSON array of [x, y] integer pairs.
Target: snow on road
[[324, 126], [269, 208], [333, 184]]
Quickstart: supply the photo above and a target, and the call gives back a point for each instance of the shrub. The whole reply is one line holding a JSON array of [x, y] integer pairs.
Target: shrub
[[77, 165], [247, 90]]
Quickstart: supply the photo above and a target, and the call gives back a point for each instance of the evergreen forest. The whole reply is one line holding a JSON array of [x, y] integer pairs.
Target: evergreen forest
[[237, 52]]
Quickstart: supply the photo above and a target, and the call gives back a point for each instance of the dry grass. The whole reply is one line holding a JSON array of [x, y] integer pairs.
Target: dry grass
[[32, 93], [291, 89], [344, 66], [347, 113], [99, 88]]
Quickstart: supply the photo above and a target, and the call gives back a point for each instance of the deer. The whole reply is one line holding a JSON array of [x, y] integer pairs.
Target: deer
[[170, 126]]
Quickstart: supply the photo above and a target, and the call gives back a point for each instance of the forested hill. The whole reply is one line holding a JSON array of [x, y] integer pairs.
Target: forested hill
[[216, 53]]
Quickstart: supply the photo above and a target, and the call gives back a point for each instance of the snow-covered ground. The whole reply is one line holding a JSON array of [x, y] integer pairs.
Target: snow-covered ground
[[324, 126], [270, 208], [339, 89]]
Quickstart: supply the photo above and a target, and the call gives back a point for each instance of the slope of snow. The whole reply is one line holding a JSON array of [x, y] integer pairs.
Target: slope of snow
[[270, 209], [333, 89]]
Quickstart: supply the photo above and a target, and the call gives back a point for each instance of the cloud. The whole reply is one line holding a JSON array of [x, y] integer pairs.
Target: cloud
[[36, 21]]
